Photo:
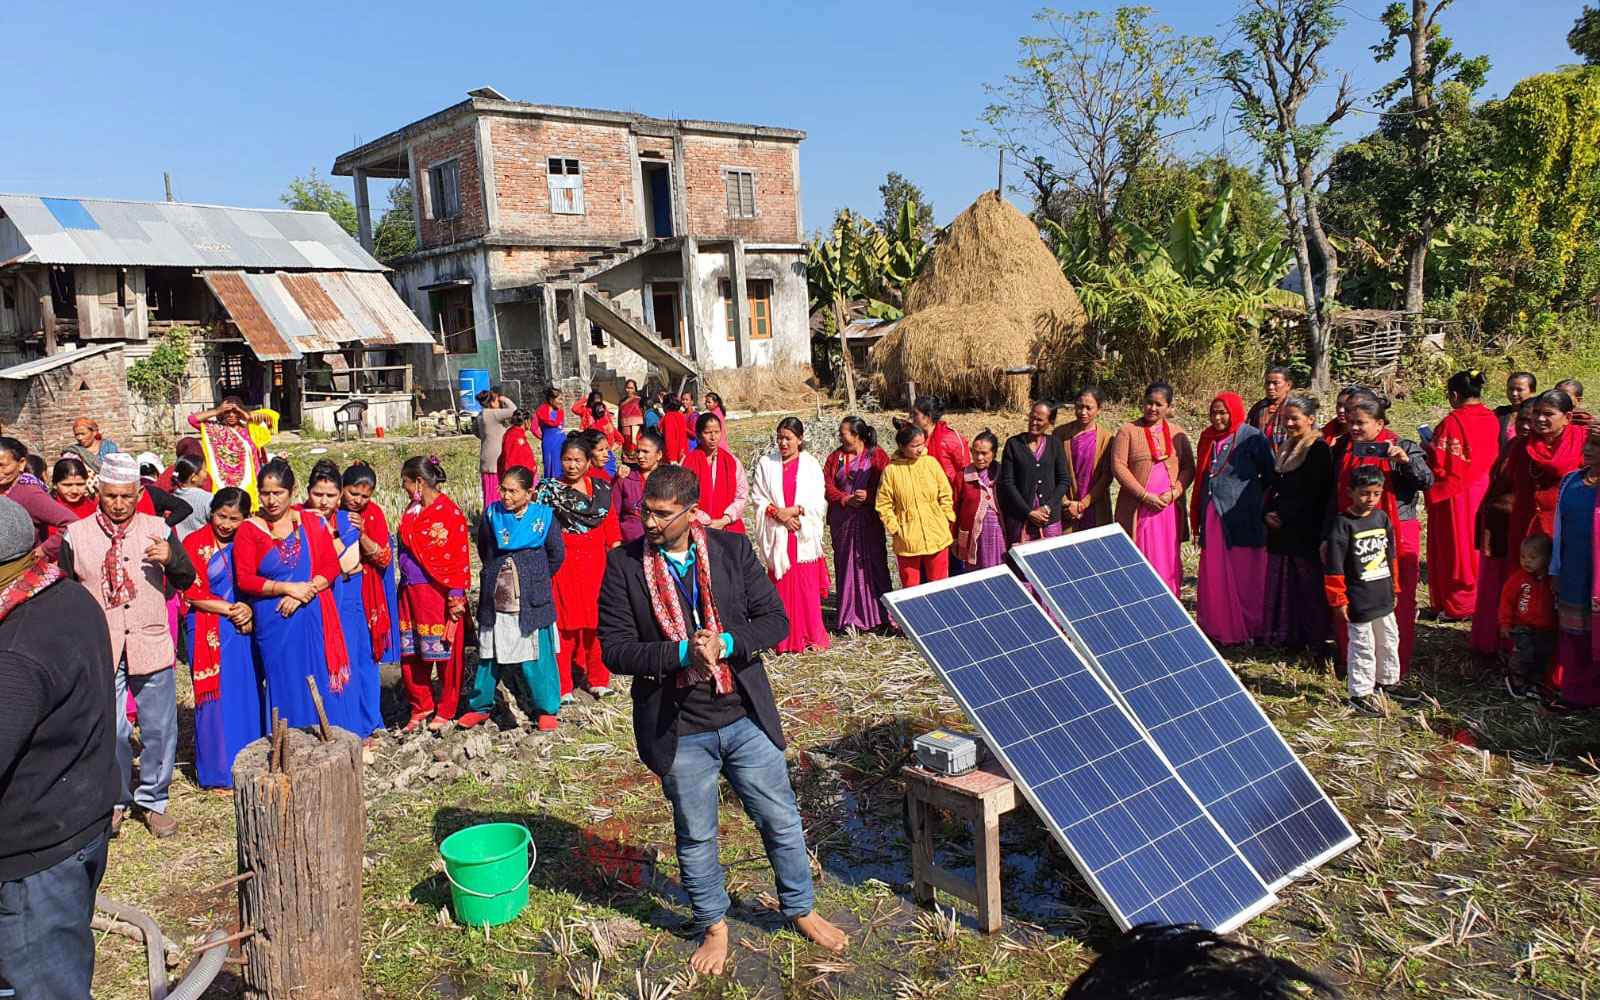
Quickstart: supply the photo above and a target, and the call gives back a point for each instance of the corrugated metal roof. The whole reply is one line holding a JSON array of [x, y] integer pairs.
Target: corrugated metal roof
[[38, 366], [285, 316], [172, 234]]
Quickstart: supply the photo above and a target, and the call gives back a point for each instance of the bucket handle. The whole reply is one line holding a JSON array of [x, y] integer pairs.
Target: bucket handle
[[533, 854]]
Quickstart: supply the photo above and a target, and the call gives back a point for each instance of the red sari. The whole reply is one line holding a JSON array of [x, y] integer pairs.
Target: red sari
[[516, 450], [674, 428], [577, 593], [719, 484], [1465, 446], [1536, 470], [435, 541]]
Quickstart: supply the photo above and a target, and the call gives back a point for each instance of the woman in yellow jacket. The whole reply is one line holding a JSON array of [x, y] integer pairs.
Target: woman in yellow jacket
[[917, 508]]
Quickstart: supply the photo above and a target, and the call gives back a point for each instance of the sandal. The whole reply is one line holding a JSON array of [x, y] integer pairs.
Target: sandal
[[1562, 706], [416, 720], [439, 725]]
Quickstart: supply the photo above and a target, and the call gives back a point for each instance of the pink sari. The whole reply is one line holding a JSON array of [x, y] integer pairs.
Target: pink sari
[[1228, 598], [1156, 535]]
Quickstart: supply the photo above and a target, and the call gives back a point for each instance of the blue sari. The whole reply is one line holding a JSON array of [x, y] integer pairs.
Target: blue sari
[[366, 685], [292, 648], [233, 720]]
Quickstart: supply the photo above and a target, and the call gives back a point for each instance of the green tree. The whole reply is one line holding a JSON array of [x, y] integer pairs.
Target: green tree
[[1271, 76], [1584, 38], [897, 192], [396, 232], [1434, 195], [1095, 97], [1548, 196], [314, 194]]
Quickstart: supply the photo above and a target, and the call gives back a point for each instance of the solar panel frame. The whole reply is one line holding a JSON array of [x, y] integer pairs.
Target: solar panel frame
[[899, 603], [1199, 649]]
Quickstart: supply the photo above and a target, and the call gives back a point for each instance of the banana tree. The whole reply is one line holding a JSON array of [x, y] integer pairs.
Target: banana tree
[[1205, 253], [838, 271]]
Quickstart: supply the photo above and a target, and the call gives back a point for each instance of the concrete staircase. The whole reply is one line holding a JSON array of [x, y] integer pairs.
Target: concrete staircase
[[596, 264], [631, 331]]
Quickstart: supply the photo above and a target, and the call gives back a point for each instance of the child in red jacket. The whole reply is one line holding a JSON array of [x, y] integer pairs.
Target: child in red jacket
[[1528, 618]]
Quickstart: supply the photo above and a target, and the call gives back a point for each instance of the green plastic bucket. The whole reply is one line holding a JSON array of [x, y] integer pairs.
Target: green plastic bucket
[[488, 867]]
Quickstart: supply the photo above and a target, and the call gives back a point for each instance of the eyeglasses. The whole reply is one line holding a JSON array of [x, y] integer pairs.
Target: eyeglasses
[[646, 514]]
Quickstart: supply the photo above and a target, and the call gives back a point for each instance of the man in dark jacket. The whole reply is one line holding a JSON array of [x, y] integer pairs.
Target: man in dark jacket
[[58, 767], [687, 613]]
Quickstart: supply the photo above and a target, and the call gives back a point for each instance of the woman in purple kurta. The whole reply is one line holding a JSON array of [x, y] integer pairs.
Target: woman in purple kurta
[[1084, 449], [860, 561], [980, 538]]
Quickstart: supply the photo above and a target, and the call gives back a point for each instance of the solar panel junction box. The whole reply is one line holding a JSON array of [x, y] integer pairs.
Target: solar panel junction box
[[946, 753]]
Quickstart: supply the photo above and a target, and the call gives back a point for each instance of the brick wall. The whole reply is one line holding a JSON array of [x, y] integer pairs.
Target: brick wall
[[521, 151], [461, 142], [706, 157], [40, 410]]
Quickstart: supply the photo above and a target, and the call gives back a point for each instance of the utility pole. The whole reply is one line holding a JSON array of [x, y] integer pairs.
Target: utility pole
[[168, 178], [999, 181]]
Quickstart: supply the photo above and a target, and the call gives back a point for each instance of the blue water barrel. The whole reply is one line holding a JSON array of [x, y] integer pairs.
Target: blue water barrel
[[472, 381]]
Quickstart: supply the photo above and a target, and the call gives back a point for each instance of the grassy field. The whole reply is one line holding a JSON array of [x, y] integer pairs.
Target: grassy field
[[1478, 874]]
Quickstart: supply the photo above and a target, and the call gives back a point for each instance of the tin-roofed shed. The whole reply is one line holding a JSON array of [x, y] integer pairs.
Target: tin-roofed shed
[[287, 298]]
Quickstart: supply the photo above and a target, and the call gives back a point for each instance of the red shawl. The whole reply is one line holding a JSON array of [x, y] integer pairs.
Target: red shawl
[[83, 508], [34, 579], [605, 426], [630, 409], [1208, 441], [716, 496], [1348, 463], [1465, 445], [251, 545], [674, 429], [1333, 430], [1536, 471], [436, 536], [206, 661], [515, 450], [372, 594]]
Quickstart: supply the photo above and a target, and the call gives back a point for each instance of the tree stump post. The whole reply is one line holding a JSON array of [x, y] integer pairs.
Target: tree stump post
[[302, 829]]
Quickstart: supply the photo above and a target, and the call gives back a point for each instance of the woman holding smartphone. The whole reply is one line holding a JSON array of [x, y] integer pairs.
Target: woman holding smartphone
[[1406, 476]]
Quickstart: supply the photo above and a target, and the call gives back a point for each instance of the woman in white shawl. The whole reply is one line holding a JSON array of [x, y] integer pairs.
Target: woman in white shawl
[[787, 494]]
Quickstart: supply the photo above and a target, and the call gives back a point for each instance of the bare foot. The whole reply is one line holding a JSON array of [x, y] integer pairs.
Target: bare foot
[[821, 932], [712, 956]]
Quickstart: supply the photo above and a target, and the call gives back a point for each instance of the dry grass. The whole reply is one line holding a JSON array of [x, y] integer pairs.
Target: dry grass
[[761, 388], [992, 297]]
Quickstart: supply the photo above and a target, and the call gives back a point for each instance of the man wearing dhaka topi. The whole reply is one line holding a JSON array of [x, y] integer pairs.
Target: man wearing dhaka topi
[[232, 456], [688, 612]]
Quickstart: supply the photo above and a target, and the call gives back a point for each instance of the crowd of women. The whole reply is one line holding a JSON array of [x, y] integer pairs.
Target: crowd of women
[[305, 587]]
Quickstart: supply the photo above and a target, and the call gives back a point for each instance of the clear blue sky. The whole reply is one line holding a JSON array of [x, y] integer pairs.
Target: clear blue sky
[[235, 99]]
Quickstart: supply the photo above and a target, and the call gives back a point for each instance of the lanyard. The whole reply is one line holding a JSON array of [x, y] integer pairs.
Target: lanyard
[[690, 593]]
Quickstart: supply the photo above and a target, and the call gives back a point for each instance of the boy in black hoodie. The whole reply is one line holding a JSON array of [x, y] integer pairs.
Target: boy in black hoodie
[[1361, 585]]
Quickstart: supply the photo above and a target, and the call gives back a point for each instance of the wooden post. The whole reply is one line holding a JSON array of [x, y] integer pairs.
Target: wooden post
[[844, 354], [301, 832]]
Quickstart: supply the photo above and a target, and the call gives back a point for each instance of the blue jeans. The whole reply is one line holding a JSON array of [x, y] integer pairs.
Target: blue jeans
[[46, 947], [157, 697], [760, 777]]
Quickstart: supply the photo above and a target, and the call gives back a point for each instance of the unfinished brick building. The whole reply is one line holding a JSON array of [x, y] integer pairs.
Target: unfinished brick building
[[567, 245]]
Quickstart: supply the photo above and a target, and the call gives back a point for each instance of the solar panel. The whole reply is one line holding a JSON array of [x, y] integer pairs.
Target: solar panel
[[1141, 840], [1173, 682]]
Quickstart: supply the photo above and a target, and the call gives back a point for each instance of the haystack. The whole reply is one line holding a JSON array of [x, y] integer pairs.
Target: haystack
[[992, 297]]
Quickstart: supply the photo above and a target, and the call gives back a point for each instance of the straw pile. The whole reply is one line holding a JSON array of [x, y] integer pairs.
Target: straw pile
[[992, 297]]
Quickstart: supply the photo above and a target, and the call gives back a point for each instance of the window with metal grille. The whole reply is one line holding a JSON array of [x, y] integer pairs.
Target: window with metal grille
[[741, 193], [566, 186], [758, 296], [444, 188]]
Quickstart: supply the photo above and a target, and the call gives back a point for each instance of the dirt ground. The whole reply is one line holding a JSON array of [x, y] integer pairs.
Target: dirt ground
[[1478, 874]]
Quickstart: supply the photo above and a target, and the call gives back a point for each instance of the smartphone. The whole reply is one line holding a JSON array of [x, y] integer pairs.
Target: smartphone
[[1370, 449]]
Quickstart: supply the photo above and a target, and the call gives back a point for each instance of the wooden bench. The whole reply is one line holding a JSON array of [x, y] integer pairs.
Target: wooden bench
[[981, 798]]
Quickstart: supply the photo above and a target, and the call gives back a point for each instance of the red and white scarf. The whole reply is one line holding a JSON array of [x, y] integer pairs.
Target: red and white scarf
[[116, 583], [659, 581]]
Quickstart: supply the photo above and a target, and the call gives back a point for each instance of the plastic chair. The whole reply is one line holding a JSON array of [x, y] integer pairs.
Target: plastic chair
[[351, 415]]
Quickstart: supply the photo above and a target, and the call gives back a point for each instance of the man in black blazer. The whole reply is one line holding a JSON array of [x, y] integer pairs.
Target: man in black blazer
[[702, 704]]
